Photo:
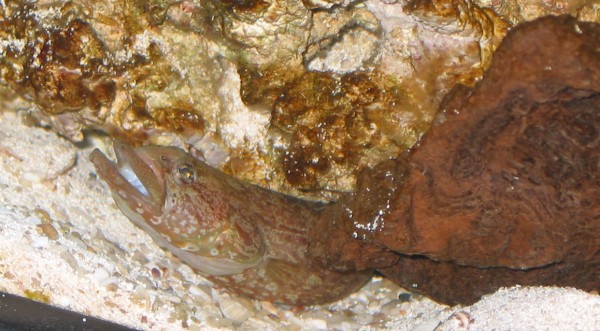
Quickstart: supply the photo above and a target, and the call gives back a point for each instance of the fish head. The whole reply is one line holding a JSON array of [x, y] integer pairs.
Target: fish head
[[184, 204]]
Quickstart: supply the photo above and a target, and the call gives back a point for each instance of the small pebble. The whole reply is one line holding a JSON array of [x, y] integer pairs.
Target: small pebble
[[48, 230], [315, 324], [218, 322], [393, 308], [237, 310], [155, 273], [364, 318], [405, 297], [140, 296]]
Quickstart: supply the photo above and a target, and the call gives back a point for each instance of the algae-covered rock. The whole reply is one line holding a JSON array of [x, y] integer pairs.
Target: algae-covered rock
[[294, 95]]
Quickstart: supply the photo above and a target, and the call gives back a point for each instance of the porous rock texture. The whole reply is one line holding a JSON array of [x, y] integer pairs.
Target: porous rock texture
[[297, 96], [505, 187]]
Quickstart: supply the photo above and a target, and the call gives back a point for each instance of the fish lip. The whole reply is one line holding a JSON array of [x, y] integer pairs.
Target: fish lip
[[145, 167]]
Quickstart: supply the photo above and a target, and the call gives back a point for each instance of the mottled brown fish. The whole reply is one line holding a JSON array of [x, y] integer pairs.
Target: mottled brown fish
[[247, 239]]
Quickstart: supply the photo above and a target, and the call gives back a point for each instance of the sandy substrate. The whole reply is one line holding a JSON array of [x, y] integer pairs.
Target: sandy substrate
[[63, 241]]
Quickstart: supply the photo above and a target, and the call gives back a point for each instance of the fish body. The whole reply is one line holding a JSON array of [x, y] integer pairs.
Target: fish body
[[250, 240]]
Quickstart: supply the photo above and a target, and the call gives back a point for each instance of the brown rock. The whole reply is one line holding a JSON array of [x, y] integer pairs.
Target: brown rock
[[452, 284], [509, 179]]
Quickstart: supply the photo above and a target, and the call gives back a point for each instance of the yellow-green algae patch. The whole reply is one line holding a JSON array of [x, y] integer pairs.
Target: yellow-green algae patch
[[37, 295]]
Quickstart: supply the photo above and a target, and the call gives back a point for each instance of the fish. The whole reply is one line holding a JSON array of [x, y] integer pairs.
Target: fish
[[247, 239]]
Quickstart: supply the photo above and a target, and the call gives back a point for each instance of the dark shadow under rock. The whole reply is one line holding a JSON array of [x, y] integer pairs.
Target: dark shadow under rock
[[504, 189], [452, 284]]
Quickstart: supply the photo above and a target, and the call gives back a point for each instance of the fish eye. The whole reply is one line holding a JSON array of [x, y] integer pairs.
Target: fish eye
[[186, 174]]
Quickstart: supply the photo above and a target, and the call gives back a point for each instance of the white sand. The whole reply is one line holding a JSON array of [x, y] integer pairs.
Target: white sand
[[63, 240]]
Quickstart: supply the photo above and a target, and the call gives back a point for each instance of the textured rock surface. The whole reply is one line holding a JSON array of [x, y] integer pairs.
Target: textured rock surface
[[236, 80], [368, 85], [508, 177]]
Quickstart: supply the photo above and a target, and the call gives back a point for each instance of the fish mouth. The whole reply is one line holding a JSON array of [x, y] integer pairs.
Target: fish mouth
[[137, 179]]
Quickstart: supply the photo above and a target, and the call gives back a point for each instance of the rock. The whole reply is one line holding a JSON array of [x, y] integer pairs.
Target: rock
[[236, 80], [508, 179]]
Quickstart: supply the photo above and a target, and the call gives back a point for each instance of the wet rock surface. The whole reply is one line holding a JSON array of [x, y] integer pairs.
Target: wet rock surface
[[503, 190], [236, 80]]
